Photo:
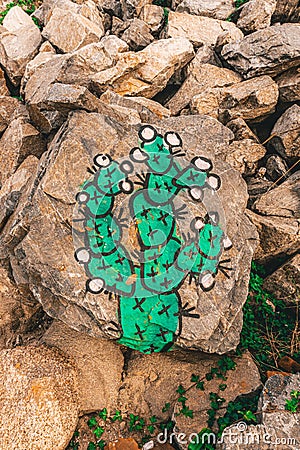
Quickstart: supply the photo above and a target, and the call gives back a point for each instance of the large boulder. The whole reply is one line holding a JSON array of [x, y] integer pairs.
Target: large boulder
[[45, 252], [69, 31], [99, 363], [198, 29], [277, 220], [19, 42], [250, 100], [268, 51], [199, 78], [256, 15], [217, 9], [39, 407]]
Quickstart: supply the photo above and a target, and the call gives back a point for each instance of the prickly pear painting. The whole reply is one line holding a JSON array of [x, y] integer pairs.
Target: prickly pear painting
[[140, 241]]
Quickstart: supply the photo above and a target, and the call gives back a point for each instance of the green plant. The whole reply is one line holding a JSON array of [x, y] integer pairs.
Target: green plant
[[239, 3], [293, 404], [270, 328]]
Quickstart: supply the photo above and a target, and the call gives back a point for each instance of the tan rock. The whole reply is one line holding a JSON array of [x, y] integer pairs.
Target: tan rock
[[256, 15], [146, 72], [251, 100], [39, 406], [137, 35], [287, 11], [198, 29], [19, 42], [199, 78], [3, 88], [284, 283], [146, 375], [289, 85], [99, 363], [217, 9], [147, 109], [70, 31], [18, 141], [286, 133], [268, 51], [276, 168], [153, 16], [241, 130], [243, 155], [8, 108], [122, 444]]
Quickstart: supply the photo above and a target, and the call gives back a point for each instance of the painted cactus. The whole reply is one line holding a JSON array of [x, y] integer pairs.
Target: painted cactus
[[147, 286]]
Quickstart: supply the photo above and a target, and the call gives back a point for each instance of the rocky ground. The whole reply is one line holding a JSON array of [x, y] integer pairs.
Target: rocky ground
[[78, 79]]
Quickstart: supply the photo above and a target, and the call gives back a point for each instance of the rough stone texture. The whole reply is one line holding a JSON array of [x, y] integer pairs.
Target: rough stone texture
[[199, 78], [9, 109], [241, 130], [256, 15], [269, 51], [217, 9], [131, 8], [37, 62], [137, 35], [18, 141], [277, 220], [3, 88], [284, 282], [286, 11], [122, 444], [276, 168], [198, 29], [16, 312], [163, 373], [38, 395], [243, 155], [146, 72], [289, 85], [153, 16], [54, 276], [279, 428], [19, 42], [70, 31], [148, 110], [286, 133], [99, 363], [251, 100]]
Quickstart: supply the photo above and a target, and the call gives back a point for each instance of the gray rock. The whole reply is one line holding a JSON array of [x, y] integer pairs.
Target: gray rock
[[199, 78], [277, 220], [279, 428], [269, 51], [252, 100], [19, 42], [284, 282], [276, 168], [198, 29], [39, 407], [256, 15], [137, 35], [70, 31], [289, 85], [44, 254], [286, 133], [217, 9], [99, 364]]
